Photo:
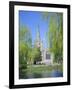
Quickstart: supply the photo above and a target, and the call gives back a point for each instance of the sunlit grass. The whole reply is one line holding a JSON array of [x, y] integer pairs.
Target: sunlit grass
[[42, 68]]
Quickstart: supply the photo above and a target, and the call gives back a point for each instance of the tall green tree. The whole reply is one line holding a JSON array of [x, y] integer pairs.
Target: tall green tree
[[23, 52], [25, 35], [25, 43], [37, 55], [54, 35]]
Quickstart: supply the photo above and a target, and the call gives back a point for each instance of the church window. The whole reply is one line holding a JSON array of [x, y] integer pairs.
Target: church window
[[48, 56]]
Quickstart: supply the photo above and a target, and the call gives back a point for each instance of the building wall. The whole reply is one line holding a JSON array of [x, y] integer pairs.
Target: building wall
[[44, 59]]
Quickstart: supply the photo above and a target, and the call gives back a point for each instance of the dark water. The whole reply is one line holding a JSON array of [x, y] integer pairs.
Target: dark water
[[54, 73]]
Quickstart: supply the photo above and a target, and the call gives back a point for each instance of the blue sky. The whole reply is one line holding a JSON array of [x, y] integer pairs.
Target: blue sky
[[32, 19]]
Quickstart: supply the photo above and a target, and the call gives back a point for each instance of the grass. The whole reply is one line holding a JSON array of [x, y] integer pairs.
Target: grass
[[42, 68]]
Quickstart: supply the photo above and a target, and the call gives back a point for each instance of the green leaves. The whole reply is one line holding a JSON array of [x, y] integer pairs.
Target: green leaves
[[25, 42], [25, 35], [54, 35], [37, 54]]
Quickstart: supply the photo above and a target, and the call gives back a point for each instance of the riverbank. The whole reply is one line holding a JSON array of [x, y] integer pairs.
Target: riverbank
[[40, 71], [41, 68]]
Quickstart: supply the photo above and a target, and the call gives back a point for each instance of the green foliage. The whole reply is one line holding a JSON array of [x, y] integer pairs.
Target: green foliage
[[54, 35], [30, 56], [23, 51], [25, 35], [27, 54], [24, 46], [37, 55]]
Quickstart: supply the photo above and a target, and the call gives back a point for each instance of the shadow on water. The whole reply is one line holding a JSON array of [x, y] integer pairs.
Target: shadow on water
[[27, 75]]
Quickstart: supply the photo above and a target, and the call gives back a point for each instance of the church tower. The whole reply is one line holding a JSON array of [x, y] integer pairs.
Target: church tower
[[38, 40], [45, 55]]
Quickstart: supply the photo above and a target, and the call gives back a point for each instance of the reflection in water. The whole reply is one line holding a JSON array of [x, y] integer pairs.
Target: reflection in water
[[57, 74], [54, 73]]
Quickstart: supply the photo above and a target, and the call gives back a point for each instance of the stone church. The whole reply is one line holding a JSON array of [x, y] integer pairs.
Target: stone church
[[47, 56]]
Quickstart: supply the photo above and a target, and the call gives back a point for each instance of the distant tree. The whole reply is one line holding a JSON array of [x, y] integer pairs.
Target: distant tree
[[37, 55]]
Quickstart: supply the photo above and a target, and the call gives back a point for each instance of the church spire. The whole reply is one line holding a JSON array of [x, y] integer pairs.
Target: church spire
[[38, 41], [38, 34]]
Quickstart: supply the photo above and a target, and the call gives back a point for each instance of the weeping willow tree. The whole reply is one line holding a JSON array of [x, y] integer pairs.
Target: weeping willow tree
[[54, 35], [25, 43], [25, 35]]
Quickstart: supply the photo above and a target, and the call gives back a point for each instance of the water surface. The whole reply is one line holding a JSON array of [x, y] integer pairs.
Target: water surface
[[27, 75]]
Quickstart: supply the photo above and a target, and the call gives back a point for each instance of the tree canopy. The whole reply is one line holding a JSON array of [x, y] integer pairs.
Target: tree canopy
[[54, 35]]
